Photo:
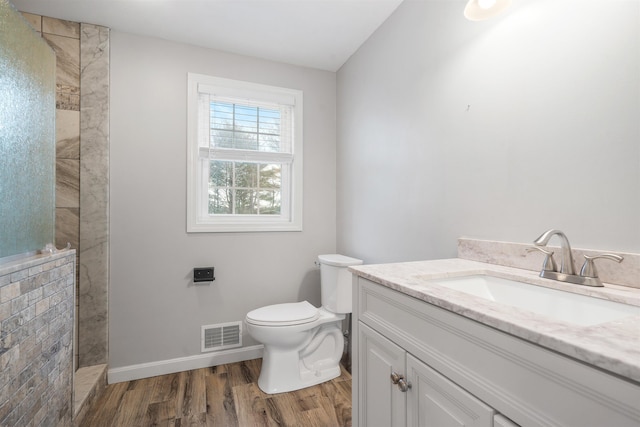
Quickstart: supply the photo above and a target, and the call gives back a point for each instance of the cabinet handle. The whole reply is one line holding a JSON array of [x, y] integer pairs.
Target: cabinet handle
[[403, 385], [396, 377]]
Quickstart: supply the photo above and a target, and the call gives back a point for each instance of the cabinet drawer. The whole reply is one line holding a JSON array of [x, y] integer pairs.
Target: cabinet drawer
[[528, 384]]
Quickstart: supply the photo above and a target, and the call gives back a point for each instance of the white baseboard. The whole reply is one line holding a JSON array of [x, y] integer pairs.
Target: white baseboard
[[163, 367]]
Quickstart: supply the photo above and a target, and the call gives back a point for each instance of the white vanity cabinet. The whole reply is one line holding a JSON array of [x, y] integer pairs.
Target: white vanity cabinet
[[421, 397], [464, 373]]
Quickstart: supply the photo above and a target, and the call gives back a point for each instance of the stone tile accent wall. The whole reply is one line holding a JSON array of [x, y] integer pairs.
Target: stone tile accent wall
[[82, 170], [36, 340], [94, 195], [64, 39]]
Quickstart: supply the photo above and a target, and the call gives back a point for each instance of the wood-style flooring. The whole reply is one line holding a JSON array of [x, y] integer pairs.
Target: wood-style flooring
[[224, 396]]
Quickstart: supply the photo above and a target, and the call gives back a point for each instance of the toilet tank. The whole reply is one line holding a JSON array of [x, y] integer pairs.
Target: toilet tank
[[336, 281]]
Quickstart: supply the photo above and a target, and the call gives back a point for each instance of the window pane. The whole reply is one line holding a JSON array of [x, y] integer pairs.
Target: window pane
[[270, 176], [221, 118], [221, 173], [222, 138], [269, 121], [221, 123], [269, 143], [250, 188], [244, 128], [270, 202], [245, 141], [269, 130], [221, 114], [246, 175], [246, 202], [246, 119], [220, 200]]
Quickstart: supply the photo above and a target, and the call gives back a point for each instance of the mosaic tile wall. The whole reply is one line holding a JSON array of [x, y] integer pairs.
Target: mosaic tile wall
[[36, 340]]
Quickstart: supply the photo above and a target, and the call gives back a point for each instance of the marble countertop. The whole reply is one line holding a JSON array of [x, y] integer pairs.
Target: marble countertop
[[612, 346]]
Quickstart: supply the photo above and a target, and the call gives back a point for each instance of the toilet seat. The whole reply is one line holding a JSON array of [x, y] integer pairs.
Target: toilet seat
[[287, 314]]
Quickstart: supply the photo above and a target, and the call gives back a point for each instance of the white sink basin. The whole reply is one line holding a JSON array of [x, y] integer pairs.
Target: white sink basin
[[574, 308]]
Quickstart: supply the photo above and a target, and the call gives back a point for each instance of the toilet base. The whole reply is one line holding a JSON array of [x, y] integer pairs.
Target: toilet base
[[272, 385], [317, 362]]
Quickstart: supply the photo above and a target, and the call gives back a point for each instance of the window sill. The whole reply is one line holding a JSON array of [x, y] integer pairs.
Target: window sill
[[242, 227]]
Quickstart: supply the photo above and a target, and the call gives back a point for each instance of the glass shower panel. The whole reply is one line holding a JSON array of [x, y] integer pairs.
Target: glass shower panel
[[27, 136]]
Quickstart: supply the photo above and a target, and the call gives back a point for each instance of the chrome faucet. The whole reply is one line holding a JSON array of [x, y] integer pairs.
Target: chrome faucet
[[588, 274], [566, 263]]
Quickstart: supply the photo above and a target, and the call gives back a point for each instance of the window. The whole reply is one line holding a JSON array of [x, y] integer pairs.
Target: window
[[244, 156]]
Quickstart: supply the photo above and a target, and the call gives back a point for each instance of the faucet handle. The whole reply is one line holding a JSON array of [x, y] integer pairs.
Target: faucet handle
[[589, 267], [549, 264]]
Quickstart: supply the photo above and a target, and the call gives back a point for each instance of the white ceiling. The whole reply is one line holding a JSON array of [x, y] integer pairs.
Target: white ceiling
[[320, 34]]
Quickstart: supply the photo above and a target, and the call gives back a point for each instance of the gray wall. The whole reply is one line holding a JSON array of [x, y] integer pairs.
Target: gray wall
[[494, 130], [155, 309]]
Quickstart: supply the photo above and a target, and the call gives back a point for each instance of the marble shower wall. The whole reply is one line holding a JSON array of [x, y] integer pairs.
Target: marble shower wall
[[94, 194], [82, 138]]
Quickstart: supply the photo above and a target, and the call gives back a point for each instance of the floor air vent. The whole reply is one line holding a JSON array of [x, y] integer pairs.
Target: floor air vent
[[221, 336]]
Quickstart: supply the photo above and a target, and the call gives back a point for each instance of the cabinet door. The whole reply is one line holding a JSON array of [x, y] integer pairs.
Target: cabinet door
[[435, 401], [381, 402], [502, 421]]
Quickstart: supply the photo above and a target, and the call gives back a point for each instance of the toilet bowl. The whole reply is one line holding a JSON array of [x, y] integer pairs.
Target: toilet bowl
[[303, 344], [299, 352]]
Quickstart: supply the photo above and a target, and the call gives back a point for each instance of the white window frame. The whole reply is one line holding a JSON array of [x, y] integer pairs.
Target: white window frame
[[198, 218]]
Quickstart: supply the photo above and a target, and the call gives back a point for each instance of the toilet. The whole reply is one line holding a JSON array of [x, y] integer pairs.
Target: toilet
[[303, 344]]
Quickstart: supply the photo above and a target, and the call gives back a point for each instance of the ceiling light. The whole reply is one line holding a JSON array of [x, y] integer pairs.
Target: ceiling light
[[479, 10]]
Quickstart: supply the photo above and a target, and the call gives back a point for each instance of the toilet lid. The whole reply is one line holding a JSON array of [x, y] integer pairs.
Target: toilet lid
[[338, 260], [284, 314]]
